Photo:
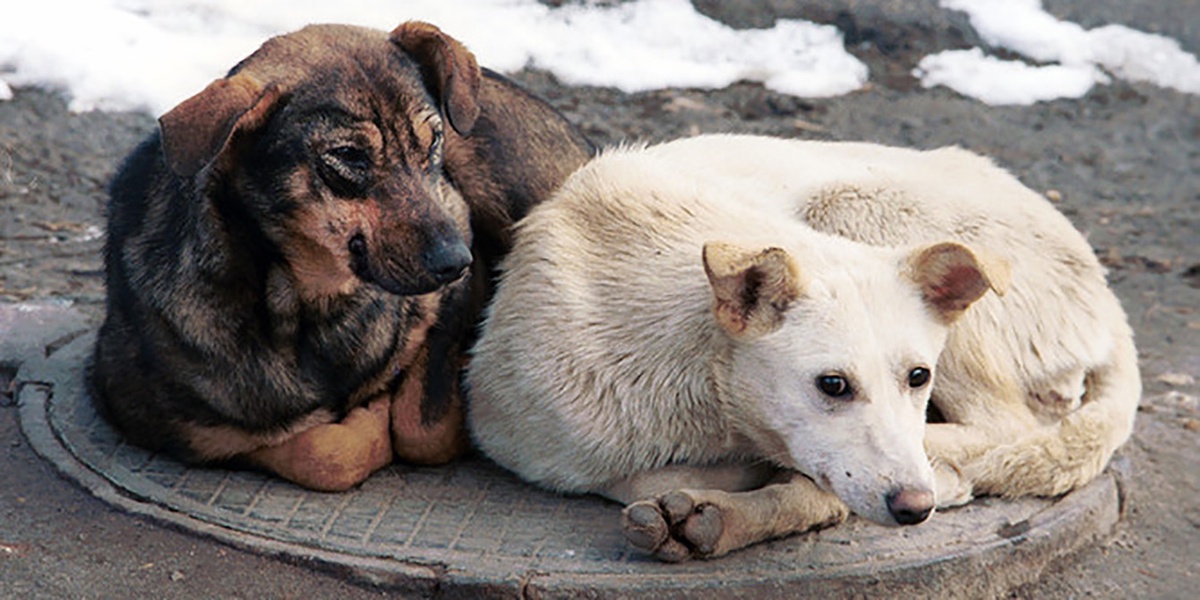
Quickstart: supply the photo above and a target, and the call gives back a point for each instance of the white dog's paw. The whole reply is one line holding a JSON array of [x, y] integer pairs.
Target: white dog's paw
[[674, 527], [953, 488]]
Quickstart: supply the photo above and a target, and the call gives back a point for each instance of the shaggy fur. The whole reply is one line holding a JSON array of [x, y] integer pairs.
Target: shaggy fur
[[296, 260], [677, 317]]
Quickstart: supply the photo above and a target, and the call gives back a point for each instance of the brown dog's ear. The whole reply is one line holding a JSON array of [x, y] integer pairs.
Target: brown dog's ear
[[752, 288], [951, 276], [198, 130], [452, 68]]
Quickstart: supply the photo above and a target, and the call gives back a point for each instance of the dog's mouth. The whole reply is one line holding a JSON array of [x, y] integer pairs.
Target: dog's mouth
[[444, 263]]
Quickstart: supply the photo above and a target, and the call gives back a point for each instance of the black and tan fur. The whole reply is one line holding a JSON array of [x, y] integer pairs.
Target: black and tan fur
[[297, 258]]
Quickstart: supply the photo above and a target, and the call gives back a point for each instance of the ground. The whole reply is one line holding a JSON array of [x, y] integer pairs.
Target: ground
[[1123, 164]]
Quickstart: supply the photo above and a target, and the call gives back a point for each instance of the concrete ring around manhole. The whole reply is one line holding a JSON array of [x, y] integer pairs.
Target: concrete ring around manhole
[[473, 530]]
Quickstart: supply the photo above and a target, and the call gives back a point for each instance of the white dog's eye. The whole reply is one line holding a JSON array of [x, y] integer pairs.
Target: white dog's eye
[[834, 386], [918, 377]]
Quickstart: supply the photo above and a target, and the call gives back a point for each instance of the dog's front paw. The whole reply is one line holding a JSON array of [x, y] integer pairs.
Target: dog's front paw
[[953, 488], [674, 527]]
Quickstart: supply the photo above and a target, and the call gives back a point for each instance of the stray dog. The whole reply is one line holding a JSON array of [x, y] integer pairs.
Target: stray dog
[[682, 324], [297, 259]]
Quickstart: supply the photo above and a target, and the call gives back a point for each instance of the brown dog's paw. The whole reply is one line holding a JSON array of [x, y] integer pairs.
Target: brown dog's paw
[[674, 527], [332, 457]]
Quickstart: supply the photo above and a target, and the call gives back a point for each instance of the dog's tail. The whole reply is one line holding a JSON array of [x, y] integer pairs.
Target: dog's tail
[[1056, 459]]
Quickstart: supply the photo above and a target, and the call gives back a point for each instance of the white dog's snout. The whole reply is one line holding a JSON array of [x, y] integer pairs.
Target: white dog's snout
[[910, 505]]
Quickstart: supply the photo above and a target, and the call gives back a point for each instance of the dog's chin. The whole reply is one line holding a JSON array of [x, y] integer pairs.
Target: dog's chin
[[405, 286], [876, 512]]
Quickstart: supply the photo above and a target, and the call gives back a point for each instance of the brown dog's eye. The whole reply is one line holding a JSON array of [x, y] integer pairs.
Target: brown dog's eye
[[351, 157], [346, 169], [834, 386], [430, 136]]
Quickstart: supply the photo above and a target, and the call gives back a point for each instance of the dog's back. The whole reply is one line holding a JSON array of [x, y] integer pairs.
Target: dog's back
[[568, 326]]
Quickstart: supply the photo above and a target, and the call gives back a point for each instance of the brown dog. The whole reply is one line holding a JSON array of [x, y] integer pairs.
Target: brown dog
[[297, 259]]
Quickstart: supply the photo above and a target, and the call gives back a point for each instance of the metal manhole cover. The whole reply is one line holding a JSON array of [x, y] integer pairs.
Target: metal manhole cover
[[472, 528]]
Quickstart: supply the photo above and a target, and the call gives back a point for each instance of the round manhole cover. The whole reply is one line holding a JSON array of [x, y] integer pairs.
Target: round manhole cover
[[472, 528]]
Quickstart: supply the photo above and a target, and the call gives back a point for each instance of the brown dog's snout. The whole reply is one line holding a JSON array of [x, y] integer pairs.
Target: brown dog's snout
[[441, 257], [910, 506], [446, 259]]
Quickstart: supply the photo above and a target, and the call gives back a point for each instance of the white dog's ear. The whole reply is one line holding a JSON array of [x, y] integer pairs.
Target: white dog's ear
[[951, 276], [752, 288]]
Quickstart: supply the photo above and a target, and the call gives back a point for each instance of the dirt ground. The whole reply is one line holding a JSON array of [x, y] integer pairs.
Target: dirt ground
[[1123, 164]]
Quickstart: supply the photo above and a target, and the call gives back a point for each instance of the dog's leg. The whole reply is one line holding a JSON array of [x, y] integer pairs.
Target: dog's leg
[[710, 522], [1047, 461], [966, 457], [428, 420], [1050, 459], [982, 417], [951, 448], [428, 417], [945, 443], [336, 456]]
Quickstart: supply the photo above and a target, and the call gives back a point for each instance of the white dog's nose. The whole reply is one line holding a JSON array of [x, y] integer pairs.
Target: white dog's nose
[[910, 506]]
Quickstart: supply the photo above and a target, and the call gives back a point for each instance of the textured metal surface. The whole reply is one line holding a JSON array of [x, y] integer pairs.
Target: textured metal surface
[[473, 527]]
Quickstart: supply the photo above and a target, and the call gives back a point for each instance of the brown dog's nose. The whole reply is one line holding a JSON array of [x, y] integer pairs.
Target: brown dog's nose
[[910, 506], [447, 260]]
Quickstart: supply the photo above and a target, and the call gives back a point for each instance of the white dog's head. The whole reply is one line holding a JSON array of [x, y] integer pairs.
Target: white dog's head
[[833, 359]]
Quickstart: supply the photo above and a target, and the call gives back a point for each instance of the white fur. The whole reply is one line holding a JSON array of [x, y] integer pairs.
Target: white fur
[[601, 358], [1012, 379]]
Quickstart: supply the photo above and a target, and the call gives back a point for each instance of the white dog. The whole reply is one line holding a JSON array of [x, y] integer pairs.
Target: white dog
[[680, 321]]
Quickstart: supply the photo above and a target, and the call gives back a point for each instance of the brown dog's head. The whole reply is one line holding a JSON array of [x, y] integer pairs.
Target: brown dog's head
[[329, 142]]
